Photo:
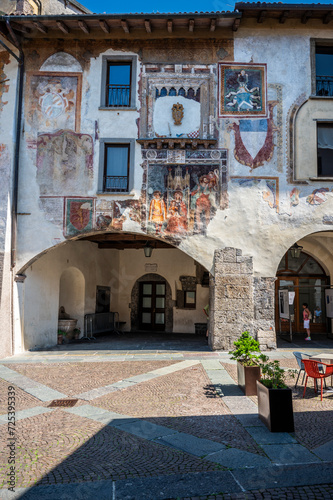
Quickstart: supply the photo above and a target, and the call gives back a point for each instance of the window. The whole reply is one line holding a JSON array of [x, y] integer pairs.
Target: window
[[116, 168], [118, 87], [325, 149], [118, 82], [324, 70], [189, 300], [116, 165]]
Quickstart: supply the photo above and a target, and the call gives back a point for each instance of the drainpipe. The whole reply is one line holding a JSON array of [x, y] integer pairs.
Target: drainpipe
[[18, 119], [19, 106]]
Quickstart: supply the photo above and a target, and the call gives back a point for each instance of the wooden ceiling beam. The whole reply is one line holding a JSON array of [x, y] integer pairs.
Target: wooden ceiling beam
[[20, 27], [306, 16], [262, 16], [104, 26], [169, 25], [40, 27], [328, 17], [84, 27], [148, 25], [212, 25], [191, 25], [124, 25], [236, 24], [284, 16], [62, 26]]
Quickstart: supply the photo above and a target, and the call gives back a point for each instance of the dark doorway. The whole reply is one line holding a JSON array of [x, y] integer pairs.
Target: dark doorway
[[152, 305], [103, 294]]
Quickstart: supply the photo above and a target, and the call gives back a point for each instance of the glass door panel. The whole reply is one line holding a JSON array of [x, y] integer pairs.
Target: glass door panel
[[152, 306]]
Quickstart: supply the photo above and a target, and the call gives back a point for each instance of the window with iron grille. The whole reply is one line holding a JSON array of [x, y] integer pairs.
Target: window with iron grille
[[324, 70], [119, 88], [118, 85], [116, 168]]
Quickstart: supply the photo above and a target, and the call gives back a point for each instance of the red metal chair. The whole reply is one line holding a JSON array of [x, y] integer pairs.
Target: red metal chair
[[312, 370]]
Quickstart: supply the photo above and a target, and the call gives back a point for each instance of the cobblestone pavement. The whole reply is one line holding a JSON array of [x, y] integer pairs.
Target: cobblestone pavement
[[156, 427], [322, 492], [73, 378], [313, 418]]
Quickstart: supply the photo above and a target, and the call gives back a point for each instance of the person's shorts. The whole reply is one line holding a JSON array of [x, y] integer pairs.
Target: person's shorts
[[306, 323]]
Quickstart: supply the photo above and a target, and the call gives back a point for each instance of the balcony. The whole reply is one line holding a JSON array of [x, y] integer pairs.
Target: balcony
[[324, 86]]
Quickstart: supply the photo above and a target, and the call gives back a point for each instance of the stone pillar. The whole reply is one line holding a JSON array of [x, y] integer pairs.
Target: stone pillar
[[231, 301], [239, 302], [264, 312]]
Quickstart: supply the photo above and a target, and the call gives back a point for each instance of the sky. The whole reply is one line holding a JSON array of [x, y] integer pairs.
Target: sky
[[146, 6]]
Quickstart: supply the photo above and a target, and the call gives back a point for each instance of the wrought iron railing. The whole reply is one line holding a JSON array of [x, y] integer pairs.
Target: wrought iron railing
[[118, 95], [324, 85], [116, 183]]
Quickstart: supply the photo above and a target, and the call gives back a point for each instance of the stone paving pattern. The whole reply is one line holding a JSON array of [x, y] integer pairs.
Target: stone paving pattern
[[322, 492], [23, 399], [74, 378], [115, 437], [313, 418]]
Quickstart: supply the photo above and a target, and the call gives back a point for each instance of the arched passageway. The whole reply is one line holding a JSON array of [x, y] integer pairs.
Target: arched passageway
[[111, 272]]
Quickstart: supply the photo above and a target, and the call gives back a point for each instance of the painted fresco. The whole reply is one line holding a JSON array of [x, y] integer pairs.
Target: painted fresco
[[4, 87], [242, 90], [268, 186], [53, 102], [79, 215], [118, 215], [181, 200], [318, 196], [64, 163], [254, 139]]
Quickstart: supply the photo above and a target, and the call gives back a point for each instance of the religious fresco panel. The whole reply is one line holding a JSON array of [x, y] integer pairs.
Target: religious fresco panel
[[242, 90], [181, 200]]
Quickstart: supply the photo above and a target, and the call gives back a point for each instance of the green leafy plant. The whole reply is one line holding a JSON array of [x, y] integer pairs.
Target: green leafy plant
[[60, 332], [246, 346], [272, 375]]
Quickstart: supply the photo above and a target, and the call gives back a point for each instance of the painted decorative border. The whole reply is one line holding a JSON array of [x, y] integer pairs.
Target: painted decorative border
[[251, 94]]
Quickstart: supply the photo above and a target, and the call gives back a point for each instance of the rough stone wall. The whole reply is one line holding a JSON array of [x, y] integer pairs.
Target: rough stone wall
[[240, 302], [264, 297], [232, 309]]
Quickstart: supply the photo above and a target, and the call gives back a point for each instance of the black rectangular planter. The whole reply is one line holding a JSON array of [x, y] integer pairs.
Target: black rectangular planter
[[247, 377], [275, 408]]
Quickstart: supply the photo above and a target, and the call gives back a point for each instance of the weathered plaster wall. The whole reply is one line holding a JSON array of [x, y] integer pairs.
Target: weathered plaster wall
[[7, 133]]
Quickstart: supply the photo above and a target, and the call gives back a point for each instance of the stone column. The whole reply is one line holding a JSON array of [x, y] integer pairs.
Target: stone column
[[264, 312], [231, 302], [239, 302]]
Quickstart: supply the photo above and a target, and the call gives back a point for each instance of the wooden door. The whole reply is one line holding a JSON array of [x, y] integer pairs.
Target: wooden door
[[152, 305]]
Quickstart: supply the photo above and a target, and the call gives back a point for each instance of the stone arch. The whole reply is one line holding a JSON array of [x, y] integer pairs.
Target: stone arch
[[61, 62], [135, 302], [72, 293]]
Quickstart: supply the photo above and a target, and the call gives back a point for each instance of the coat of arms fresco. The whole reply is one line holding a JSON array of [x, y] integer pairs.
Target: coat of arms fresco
[[242, 90], [79, 215]]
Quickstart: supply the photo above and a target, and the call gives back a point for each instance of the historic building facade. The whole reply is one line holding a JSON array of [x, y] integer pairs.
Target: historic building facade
[[204, 137]]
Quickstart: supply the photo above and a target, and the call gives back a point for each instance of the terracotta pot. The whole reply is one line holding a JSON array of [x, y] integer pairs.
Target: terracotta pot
[[247, 377], [275, 408]]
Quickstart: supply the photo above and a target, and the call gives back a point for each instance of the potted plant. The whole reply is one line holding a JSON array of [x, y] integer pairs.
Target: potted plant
[[77, 333], [61, 335], [275, 404], [248, 369]]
